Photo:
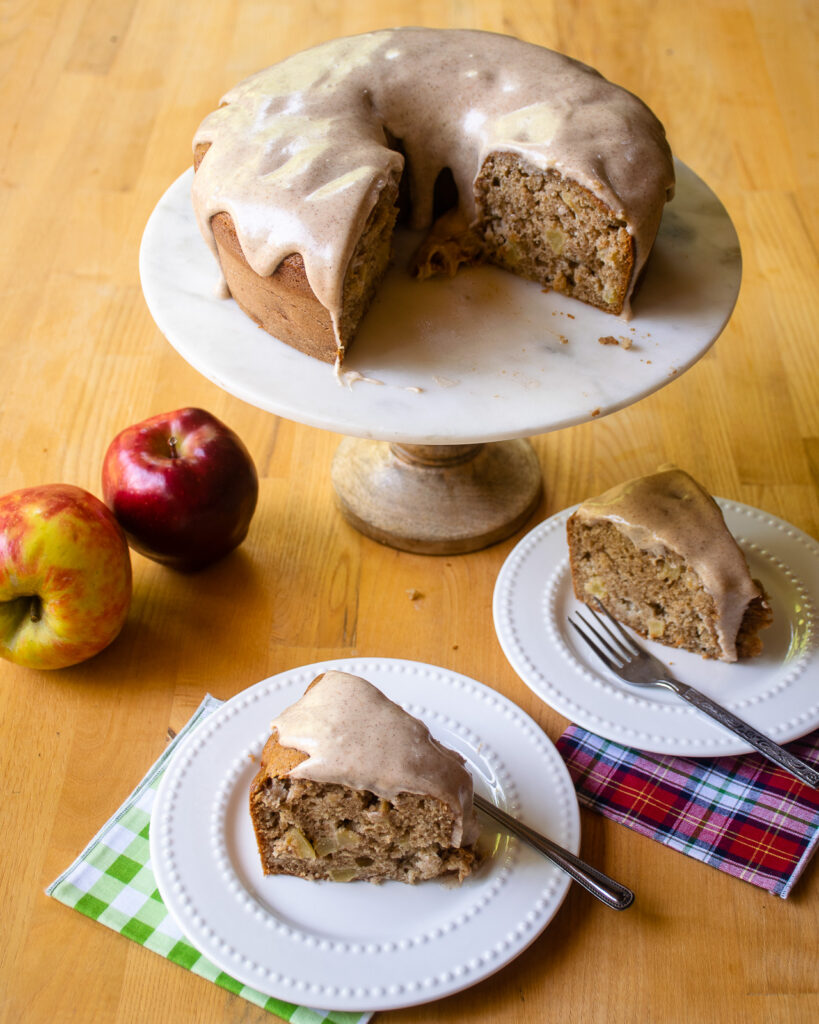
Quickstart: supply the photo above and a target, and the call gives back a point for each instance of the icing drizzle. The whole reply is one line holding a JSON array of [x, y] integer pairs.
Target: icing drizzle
[[300, 152], [669, 511], [357, 737]]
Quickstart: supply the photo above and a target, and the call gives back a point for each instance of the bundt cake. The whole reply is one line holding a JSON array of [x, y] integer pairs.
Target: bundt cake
[[537, 162], [657, 554], [351, 787]]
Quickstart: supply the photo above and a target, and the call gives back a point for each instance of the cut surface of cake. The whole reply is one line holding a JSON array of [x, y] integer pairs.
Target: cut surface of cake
[[352, 787], [656, 552], [555, 174]]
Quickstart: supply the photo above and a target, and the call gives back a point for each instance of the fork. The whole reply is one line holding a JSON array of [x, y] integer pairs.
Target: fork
[[621, 653], [612, 893]]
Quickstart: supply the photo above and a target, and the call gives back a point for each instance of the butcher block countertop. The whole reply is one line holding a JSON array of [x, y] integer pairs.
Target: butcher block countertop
[[99, 103]]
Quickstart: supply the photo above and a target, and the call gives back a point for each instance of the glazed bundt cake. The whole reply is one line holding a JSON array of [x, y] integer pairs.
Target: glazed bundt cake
[[352, 787], [657, 554], [550, 170]]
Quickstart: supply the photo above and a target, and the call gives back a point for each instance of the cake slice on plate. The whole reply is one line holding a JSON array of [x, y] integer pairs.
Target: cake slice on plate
[[351, 786], [657, 553]]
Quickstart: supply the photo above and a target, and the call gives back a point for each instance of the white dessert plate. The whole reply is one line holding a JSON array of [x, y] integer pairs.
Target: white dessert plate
[[360, 946], [482, 357], [775, 692]]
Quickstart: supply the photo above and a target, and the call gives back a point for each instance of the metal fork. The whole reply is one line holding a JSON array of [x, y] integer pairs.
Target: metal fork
[[620, 652], [612, 893]]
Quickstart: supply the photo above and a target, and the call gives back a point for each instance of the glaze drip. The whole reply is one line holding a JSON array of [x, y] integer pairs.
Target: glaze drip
[[300, 152], [669, 511], [357, 737]]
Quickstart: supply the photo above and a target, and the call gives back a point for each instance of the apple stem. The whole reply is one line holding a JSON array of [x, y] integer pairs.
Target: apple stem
[[36, 612], [172, 446]]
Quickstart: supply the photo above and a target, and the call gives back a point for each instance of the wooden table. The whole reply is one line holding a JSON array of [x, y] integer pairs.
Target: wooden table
[[99, 102]]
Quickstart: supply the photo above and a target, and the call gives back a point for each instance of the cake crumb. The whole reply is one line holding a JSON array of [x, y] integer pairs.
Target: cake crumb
[[595, 412], [621, 341], [414, 595]]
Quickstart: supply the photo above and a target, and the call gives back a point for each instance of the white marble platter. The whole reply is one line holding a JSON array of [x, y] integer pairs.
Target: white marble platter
[[482, 357]]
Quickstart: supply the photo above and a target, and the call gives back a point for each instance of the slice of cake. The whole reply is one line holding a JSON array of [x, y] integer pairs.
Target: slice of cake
[[351, 786], [657, 553]]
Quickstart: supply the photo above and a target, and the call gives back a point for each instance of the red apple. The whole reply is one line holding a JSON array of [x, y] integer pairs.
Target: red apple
[[65, 576], [182, 486]]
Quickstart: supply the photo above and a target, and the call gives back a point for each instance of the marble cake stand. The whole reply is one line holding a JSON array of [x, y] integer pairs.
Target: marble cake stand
[[447, 379]]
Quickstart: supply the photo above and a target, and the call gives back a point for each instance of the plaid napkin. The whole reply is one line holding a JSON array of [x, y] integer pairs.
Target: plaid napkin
[[742, 815], [112, 882]]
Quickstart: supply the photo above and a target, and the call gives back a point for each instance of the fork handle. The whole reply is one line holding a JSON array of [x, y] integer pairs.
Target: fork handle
[[612, 893], [792, 764]]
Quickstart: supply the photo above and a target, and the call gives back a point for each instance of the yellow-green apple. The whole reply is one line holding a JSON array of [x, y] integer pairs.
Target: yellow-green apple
[[65, 576], [183, 487]]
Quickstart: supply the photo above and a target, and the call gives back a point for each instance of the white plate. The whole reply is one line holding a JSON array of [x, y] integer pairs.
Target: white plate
[[360, 946], [483, 357], [776, 692]]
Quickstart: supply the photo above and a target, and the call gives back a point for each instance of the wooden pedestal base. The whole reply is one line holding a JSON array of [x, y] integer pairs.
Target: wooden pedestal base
[[436, 499]]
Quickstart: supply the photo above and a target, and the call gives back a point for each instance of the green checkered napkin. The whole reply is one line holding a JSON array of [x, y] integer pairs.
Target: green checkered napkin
[[112, 882]]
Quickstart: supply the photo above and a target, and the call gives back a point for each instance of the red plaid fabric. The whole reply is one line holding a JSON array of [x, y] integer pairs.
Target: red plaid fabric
[[742, 815]]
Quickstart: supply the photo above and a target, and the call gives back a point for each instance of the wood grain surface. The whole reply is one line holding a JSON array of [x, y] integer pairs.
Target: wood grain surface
[[98, 103]]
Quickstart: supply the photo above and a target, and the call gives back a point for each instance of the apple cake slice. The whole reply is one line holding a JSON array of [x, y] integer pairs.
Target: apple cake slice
[[657, 553], [351, 787]]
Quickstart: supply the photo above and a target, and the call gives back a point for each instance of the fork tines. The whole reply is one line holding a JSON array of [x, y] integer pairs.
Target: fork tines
[[621, 648]]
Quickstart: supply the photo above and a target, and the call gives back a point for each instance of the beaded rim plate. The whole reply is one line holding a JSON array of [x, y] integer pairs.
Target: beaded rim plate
[[361, 946], [775, 692]]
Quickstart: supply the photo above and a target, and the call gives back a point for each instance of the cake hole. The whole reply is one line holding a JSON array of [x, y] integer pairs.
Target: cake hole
[[404, 200], [445, 193]]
